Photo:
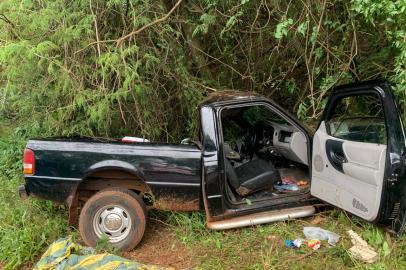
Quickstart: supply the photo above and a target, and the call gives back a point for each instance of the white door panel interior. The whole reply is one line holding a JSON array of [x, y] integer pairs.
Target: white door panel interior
[[364, 174], [358, 188], [364, 154]]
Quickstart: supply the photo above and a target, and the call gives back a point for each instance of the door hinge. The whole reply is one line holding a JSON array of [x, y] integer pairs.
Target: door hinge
[[403, 158], [393, 178], [395, 211]]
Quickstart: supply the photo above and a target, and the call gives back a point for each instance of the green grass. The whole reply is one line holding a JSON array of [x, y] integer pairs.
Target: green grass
[[250, 248], [28, 227]]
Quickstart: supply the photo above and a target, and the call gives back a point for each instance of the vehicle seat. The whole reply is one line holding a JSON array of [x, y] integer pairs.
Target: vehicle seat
[[252, 176]]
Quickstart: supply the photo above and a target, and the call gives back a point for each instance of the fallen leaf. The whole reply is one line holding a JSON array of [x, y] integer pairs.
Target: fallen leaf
[[317, 220]]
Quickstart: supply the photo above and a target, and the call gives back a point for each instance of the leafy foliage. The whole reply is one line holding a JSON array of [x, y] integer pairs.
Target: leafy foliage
[[25, 227], [389, 17], [63, 71]]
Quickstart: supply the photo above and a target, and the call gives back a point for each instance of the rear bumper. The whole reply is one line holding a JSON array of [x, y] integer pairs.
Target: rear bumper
[[23, 192]]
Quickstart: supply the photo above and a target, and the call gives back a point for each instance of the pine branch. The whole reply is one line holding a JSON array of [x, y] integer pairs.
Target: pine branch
[[136, 32]]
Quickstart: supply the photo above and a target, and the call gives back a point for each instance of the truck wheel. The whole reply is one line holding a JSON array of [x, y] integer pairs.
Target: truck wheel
[[118, 213]]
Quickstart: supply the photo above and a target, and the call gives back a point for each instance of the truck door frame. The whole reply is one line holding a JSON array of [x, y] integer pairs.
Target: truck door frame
[[393, 195]]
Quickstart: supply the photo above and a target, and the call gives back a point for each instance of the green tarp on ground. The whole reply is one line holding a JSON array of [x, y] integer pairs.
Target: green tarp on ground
[[66, 255]]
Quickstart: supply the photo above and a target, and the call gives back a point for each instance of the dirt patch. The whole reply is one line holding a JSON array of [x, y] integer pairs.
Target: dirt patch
[[169, 203], [161, 246], [26, 266]]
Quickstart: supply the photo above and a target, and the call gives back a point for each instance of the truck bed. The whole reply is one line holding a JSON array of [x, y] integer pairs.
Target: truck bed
[[61, 164]]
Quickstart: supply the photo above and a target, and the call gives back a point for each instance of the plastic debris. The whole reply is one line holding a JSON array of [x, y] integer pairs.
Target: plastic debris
[[129, 139], [287, 181], [313, 244], [321, 234], [297, 243], [360, 249], [302, 183], [290, 187], [289, 243]]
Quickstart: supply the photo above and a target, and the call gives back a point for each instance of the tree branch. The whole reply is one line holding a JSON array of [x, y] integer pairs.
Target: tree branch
[[95, 27], [139, 30]]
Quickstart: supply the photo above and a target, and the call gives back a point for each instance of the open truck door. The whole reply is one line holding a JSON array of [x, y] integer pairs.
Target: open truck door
[[358, 157]]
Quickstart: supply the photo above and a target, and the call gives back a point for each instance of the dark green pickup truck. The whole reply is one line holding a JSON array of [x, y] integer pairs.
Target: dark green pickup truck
[[253, 163]]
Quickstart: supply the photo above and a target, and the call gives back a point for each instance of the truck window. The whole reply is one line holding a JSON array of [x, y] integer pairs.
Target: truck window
[[358, 118], [258, 114]]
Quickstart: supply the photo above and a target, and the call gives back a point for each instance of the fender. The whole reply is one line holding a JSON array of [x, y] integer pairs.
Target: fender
[[113, 165]]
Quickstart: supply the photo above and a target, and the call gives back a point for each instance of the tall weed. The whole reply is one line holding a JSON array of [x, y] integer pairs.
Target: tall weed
[[26, 227]]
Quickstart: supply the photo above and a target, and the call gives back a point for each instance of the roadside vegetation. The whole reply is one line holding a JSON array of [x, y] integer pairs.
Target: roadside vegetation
[[263, 247], [114, 68], [108, 68], [26, 227]]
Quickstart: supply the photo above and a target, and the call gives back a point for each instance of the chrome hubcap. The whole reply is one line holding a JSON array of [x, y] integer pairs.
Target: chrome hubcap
[[112, 221]]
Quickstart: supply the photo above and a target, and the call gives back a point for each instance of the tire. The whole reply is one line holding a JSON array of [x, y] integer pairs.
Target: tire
[[118, 213]]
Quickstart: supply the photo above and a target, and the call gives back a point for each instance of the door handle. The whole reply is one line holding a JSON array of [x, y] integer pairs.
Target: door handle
[[337, 158], [335, 154]]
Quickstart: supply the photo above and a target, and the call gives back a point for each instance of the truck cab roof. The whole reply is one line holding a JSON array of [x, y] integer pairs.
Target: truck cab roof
[[230, 96]]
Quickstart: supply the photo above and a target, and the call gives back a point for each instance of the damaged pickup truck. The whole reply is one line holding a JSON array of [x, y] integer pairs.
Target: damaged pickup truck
[[254, 163]]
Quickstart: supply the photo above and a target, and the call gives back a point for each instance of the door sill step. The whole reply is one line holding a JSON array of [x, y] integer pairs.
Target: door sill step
[[261, 218]]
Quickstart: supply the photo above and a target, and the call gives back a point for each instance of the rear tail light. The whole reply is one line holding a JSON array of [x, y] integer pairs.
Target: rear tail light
[[29, 161]]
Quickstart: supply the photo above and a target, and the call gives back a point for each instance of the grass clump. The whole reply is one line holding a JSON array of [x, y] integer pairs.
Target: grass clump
[[26, 227], [262, 247]]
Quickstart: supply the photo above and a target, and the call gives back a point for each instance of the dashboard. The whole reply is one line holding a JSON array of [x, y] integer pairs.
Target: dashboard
[[285, 140]]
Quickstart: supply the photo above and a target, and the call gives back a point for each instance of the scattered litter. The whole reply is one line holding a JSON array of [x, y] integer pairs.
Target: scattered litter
[[287, 184], [298, 243], [290, 187], [287, 181], [360, 249], [289, 243], [321, 234], [129, 139], [313, 244], [302, 183], [317, 220]]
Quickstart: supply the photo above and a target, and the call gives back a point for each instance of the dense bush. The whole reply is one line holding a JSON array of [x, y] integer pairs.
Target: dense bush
[[114, 67]]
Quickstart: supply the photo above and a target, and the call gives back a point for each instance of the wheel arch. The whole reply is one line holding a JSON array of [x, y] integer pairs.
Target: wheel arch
[[107, 175]]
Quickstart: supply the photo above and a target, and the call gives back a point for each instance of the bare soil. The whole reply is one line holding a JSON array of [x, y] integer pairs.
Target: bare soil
[[161, 246]]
